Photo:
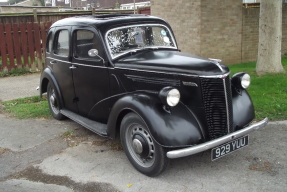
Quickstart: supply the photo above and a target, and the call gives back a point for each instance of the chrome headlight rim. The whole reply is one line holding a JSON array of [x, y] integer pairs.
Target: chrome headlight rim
[[241, 80], [169, 96]]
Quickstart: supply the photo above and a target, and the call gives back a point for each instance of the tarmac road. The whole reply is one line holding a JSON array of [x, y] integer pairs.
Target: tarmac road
[[49, 155]]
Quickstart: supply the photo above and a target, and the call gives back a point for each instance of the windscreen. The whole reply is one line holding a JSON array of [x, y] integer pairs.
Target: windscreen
[[133, 38]]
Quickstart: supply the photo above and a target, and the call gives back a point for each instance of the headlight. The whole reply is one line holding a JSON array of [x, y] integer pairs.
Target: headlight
[[241, 80], [169, 96], [245, 81]]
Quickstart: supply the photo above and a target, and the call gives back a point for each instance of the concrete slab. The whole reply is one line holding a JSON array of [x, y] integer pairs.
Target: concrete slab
[[19, 86], [20, 135]]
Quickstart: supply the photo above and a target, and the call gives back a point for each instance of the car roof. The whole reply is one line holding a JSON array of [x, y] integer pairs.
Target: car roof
[[107, 21]]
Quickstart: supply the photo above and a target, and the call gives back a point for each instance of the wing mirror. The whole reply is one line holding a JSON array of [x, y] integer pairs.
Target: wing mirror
[[95, 53]]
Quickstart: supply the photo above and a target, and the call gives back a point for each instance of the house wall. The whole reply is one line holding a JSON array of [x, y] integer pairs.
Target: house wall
[[216, 29], [250, 34], [184, 16], [221, 30]]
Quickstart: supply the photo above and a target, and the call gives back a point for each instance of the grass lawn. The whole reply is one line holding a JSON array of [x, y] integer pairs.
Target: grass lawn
[[268, 92], [31, 107], [14, 72]]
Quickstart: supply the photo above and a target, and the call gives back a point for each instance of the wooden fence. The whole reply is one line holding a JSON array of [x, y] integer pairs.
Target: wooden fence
[[22, 45], [23, 38]]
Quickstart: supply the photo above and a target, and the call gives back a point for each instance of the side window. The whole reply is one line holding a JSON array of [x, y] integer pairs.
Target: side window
[[49, 43], [84, 41], [62, 45]]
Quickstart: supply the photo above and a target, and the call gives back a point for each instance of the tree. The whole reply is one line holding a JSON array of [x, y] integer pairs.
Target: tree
[[270, 38]]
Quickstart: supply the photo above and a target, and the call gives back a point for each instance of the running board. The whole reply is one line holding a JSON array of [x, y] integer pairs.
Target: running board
[[94, 126]]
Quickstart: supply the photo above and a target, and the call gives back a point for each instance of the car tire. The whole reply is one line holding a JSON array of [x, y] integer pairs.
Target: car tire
[[147, 156], [53, 102]]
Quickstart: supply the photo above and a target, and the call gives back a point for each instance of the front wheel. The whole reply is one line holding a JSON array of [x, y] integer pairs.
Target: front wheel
[[143, 152], [53, 102]]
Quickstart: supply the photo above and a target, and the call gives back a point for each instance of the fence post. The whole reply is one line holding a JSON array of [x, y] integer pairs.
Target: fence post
[[93, 11], [35, 15]]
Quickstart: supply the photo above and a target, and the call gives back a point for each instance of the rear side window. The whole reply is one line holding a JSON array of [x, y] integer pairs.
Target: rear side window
[[49, 43], [62, 45]]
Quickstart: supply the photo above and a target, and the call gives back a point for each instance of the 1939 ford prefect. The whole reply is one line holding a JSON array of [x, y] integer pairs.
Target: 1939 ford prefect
[[124, 75]]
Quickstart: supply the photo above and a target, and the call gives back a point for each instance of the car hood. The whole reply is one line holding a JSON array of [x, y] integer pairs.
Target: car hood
[[172, 62]]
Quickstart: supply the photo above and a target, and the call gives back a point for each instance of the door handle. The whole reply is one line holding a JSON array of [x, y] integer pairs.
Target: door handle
[[73, 67], [53, 62]]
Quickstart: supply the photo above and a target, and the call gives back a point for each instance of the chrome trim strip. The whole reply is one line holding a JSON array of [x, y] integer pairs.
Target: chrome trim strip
[[226, 103], [78, 64], [216, 62], [216, 142], [148, 71], [53, 59], [216, 76], [181, 74]]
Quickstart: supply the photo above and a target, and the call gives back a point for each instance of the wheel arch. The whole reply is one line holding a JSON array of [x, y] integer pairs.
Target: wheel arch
[[47, 77], [176, 129]]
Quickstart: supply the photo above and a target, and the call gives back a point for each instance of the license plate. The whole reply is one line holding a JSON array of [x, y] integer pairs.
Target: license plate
[[229, 147]]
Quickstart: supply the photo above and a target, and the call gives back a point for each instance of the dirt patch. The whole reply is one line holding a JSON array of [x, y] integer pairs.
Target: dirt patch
[[113, 144], [3, 150], [74, 138], [73, 141], [36, 175], [257, 164]]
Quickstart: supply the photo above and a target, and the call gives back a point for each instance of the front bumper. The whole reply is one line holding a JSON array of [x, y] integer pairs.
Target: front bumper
[[216, 142]]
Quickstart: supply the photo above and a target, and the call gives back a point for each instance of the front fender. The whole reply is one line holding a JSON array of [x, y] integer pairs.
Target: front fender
[[46, 77], [243, 110], [179, 128]]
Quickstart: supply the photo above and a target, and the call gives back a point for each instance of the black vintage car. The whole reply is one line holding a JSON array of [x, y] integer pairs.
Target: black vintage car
[[124, 75]]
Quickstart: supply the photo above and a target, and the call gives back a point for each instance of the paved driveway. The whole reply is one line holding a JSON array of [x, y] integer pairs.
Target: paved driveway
[[19, 86]]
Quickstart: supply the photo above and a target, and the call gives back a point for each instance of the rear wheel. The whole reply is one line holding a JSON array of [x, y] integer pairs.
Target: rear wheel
[[143, 152], [53, 102]]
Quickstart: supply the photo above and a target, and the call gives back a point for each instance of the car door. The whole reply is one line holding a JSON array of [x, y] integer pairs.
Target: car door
[[90, 75], [60, 62]]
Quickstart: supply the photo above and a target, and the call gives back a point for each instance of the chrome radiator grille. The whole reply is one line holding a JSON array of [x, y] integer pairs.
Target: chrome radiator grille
[[217, 100]]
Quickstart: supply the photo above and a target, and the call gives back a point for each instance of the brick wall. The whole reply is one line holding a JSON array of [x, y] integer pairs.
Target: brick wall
[[184, 18], [250, 34], [221, 28], [215, 29]]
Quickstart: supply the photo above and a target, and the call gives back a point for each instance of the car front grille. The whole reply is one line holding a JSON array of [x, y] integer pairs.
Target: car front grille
[[217, 100]]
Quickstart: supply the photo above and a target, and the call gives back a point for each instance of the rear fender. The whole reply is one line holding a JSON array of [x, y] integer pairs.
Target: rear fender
[[46, 77], [177, 128]]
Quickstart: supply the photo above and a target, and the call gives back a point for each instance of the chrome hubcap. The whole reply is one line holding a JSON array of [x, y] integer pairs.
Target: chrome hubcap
[[140, 145], [137, 145], [52, 100]]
